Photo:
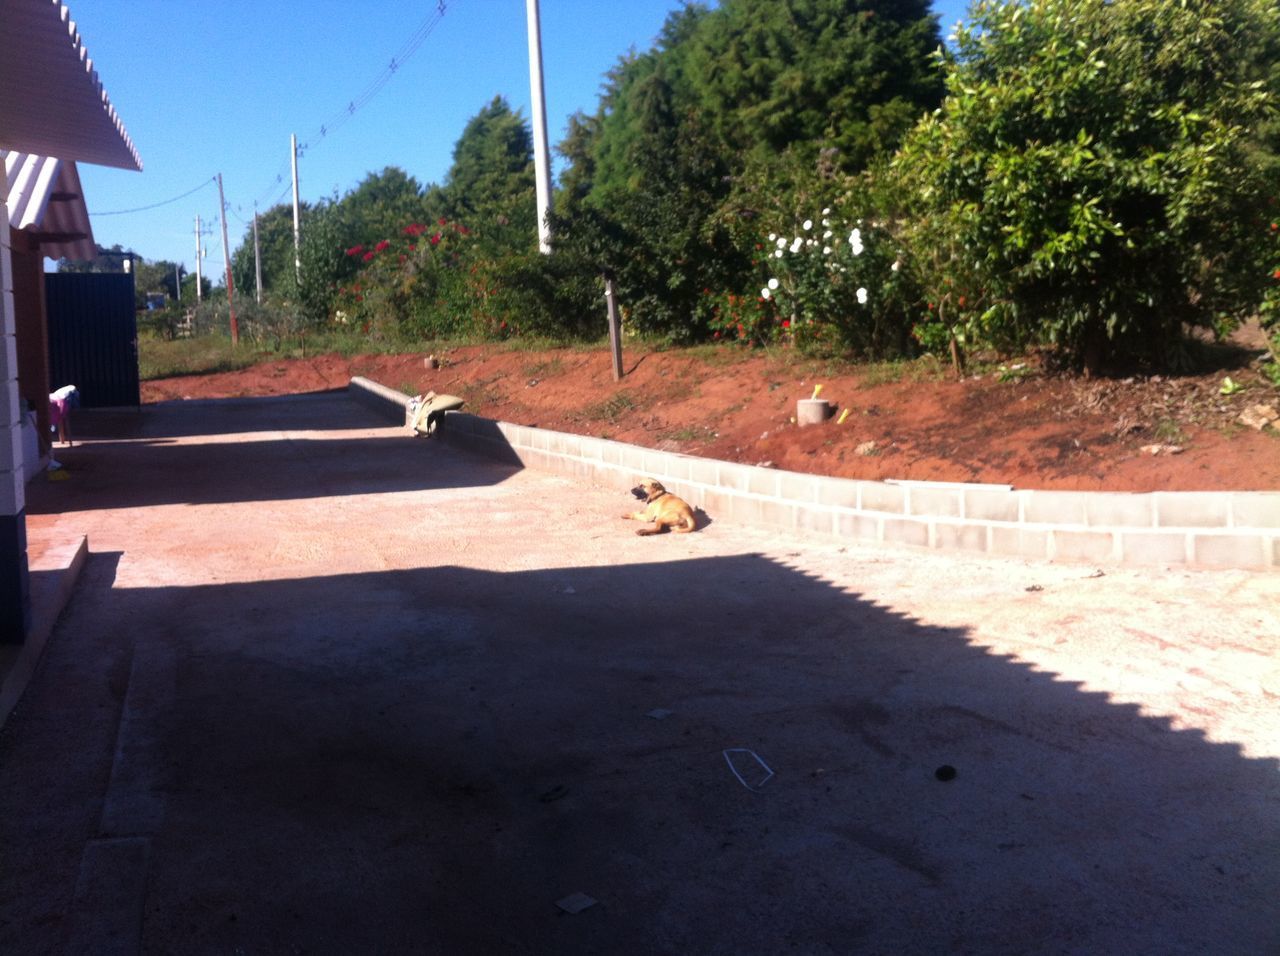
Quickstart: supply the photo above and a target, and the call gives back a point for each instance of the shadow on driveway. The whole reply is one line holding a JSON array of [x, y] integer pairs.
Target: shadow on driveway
[[426, 760]]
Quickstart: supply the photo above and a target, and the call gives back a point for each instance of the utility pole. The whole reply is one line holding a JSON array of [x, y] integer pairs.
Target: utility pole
[[541, 161], [177, 281], [297, 217], [199, 253], [226, 259], [257, 257]]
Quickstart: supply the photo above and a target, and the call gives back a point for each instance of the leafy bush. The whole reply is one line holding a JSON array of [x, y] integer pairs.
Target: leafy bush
[[1087, 182]]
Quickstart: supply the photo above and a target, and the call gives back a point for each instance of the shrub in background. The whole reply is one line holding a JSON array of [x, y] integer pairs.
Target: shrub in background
[[1088, 178]]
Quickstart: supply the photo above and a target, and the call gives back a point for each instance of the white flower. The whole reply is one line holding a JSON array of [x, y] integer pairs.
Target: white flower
[[862, 296], [808, 224], [773, 283], [826, 222], [773, 236], [811, 242], [796, 244], [781, 243], [855, 242], [827, 234], [896, 265], [826, 250], [764, 293], [778, 253], [827, 211]]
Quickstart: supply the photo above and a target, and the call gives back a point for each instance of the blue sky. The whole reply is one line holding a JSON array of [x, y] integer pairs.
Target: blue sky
[[207, 88]]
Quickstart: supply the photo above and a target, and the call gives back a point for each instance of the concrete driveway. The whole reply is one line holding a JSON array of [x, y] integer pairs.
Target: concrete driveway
[[325, 688]]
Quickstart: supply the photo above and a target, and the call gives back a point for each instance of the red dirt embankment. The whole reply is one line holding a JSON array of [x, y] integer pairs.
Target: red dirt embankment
[[1021, 426]]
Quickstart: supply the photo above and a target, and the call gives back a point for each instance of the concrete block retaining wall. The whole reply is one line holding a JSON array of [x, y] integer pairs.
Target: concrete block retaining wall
[[1165, 528]]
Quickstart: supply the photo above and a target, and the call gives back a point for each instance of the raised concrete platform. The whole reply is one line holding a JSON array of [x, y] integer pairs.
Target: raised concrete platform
[[1171, 529], [55, 562]]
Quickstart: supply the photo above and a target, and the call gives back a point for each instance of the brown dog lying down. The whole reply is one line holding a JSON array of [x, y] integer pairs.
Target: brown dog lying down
[[664, 511]]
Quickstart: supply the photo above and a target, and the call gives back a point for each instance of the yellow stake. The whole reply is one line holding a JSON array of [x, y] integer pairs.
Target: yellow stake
[[816, 390], [843, 415]]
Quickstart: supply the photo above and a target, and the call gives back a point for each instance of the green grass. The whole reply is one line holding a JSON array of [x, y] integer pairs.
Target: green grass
[[611, 409], [545, 369], [158, 358]]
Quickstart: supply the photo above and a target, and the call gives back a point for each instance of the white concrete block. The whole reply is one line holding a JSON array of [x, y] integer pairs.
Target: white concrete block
[[1153, 547], [1071, 545], [981, 505], [907, 531], [1120, 510], [1192, 509], [877, 496], [1232, 549], [1258, 509], [1054, 507], [961, 536], [934, 502], [11, 447], [13, 494], [840, 492]]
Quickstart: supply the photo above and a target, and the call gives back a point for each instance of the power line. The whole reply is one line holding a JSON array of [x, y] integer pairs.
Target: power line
[[340, 118], [122, 212]]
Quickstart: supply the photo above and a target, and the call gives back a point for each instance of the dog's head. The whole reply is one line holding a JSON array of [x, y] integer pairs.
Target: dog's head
[[648, 489]]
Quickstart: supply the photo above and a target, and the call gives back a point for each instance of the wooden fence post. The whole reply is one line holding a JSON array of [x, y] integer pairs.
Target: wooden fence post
[[615, 328]]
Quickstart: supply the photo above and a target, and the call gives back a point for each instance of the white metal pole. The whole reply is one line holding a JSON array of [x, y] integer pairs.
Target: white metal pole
[[541, 161], [297, 217]]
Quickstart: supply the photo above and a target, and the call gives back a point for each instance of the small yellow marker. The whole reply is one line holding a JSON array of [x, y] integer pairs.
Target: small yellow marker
[[816, 390], [843, 415]]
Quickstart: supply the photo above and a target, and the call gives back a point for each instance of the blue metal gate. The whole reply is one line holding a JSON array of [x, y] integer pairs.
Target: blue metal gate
[[93, 336]]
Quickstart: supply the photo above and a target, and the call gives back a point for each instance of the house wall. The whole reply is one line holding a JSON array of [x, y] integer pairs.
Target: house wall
[[15, 586], [31, 328]]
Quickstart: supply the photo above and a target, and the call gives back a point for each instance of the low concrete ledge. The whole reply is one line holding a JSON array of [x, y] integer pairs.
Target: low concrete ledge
[[385, 401], [1186, 529]]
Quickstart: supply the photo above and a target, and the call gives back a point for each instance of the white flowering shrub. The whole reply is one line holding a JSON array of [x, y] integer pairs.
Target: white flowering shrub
[[839, 283]]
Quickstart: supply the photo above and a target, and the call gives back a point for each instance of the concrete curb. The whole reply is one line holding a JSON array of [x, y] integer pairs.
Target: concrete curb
[[1166, 528], [52, 582]]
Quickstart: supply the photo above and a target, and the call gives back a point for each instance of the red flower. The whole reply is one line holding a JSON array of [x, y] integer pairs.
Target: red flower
[[435, 240], [402, 258], [442, 221], [359, 298], [464, 230], [786, 323], [415, 229], [355, 250], [368, 256], [1276, 274], [382, 245]]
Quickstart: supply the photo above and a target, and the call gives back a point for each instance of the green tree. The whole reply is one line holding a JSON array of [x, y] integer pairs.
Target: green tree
[[845, 75], [490, 186], [275, 241], [1088, 182]]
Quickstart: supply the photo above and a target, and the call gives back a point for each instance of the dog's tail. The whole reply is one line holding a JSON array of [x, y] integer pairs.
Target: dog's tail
[[687, 523]]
